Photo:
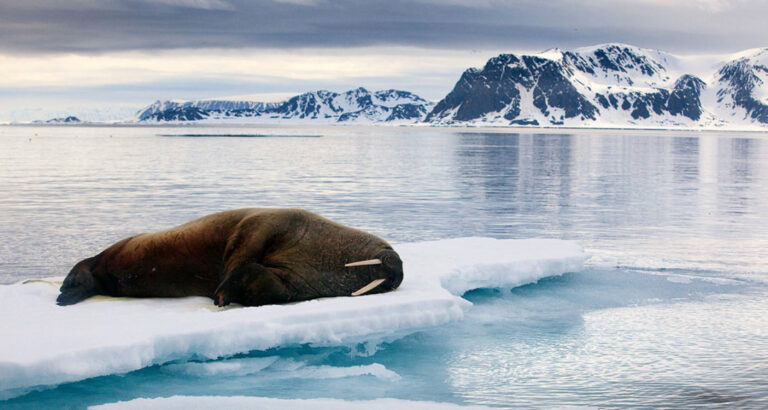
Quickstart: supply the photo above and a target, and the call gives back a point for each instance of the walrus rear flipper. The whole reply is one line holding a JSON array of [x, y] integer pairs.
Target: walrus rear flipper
[[72, 296], [78, 286]]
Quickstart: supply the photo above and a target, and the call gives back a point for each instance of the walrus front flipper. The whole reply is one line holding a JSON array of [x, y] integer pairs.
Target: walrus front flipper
[[78, 286], [231, 287], [252, 284]]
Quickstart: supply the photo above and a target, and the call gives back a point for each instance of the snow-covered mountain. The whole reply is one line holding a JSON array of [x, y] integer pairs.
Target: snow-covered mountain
[[60, 120], [358, 105], [612, 85], [201, 109]]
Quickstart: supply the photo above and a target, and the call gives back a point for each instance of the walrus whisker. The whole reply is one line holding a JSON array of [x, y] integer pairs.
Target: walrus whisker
[[364, 263], [367, 288]]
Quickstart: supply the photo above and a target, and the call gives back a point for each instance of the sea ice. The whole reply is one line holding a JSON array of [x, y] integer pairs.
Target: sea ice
[[48, 344]]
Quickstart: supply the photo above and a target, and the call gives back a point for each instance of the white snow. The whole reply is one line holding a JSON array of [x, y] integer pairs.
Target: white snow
[[46, 344], [243, 402], [554, 54]]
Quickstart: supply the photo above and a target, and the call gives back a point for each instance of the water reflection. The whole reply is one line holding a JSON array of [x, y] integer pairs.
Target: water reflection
[[685, 161], [736, 175], [512, 175], [487, 167], [642, 195]]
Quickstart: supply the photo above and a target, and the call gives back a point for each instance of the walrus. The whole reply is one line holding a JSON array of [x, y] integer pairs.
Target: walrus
[[252, 257]]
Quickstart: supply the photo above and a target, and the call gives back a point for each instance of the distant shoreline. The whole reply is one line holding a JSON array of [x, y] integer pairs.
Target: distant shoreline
[[496, 128]]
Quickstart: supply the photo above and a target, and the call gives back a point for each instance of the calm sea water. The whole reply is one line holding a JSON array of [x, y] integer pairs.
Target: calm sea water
[[672, 310]]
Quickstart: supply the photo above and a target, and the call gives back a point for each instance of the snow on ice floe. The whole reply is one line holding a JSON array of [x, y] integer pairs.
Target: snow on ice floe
[[243, 402], [101, 336]]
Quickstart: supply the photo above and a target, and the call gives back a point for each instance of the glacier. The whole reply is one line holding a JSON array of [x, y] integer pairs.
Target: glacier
[[101, 336]]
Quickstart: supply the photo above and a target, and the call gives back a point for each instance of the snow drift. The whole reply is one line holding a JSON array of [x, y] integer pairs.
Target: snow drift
[[47, 344]]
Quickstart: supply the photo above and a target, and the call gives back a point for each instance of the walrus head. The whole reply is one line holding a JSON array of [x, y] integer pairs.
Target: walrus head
[[388, 267], [393, 267]]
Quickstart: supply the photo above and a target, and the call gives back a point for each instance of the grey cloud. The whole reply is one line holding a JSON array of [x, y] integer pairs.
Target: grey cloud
[[87, 26], [196, 4]]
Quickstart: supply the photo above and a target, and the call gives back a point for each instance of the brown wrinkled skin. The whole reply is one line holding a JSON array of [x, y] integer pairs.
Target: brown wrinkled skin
[[248, 256]]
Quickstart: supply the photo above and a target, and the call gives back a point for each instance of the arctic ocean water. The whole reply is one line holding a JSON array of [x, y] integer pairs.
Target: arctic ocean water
[[671, 311]]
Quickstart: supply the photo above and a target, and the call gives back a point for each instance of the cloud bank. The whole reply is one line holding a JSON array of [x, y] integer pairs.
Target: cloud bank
[[89, 26]]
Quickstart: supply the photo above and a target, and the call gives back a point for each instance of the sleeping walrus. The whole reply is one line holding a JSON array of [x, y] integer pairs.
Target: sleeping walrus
[[248, 256]]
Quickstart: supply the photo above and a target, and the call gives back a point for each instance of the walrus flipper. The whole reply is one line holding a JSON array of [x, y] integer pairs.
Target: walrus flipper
[[78, 286], [251, 284], [229, 290]]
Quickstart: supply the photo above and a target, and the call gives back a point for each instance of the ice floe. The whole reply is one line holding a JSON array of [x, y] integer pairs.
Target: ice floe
[[46, 344]]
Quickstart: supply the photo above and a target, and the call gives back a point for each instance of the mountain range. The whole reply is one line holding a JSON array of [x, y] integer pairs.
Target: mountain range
[[60, 120], [358, 105], [609, 85]]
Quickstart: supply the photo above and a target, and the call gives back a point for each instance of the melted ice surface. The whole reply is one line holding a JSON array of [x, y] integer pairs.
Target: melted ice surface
[[102, 336]]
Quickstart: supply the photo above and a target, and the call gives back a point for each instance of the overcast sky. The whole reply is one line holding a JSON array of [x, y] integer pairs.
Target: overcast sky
[[80, 55]]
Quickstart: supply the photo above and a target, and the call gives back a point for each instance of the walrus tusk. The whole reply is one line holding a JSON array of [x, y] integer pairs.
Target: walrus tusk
[[363, 263], [367, 288]]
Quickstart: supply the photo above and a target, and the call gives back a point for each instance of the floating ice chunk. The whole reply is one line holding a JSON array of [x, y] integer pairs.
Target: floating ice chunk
[[235, 367], [337, 372], [51, 344], [274, 367], [242, 402]]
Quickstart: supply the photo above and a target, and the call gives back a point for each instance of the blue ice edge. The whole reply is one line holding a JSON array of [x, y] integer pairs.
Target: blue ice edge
[[103, 336]]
